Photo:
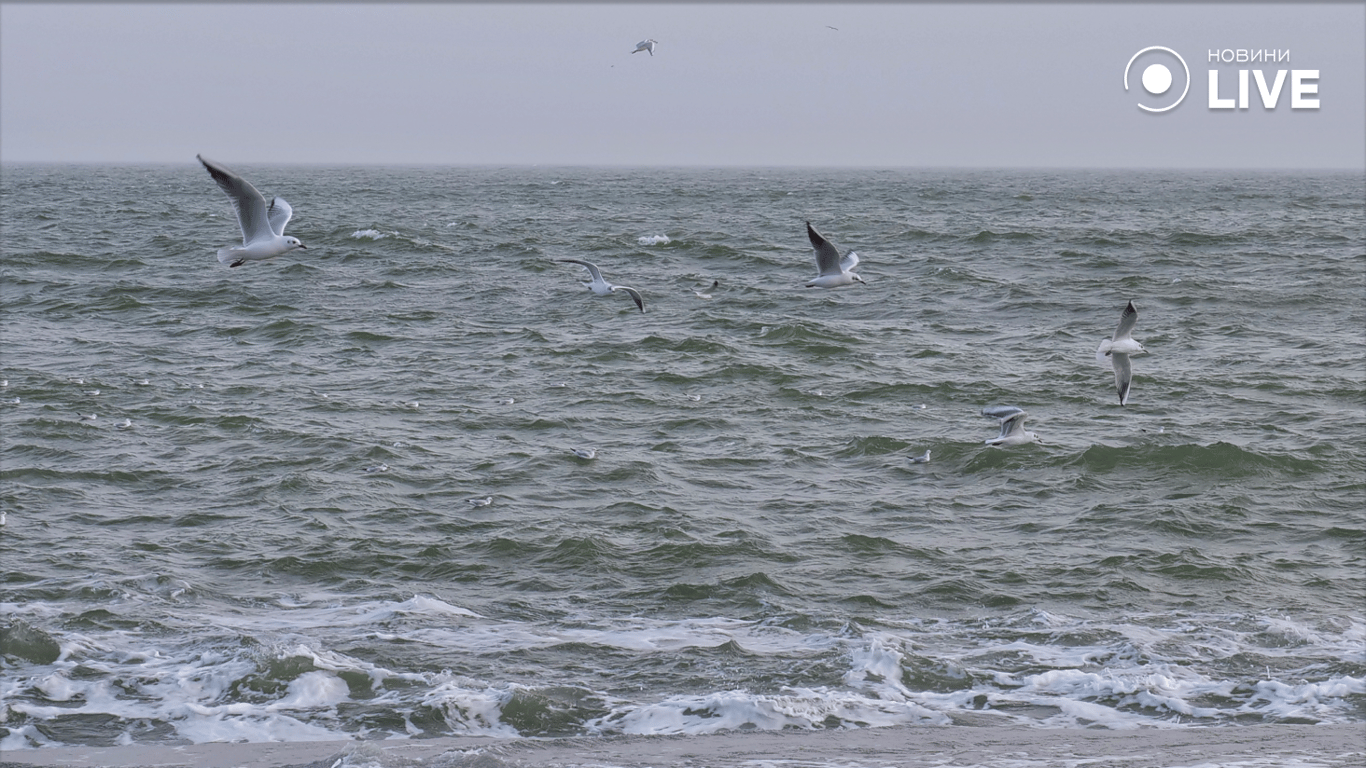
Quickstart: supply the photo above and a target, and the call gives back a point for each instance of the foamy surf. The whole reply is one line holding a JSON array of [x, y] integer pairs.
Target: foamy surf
[[1127, 676]]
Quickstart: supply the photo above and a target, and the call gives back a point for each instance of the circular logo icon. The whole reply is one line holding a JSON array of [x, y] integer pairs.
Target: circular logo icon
[[1157, 77]]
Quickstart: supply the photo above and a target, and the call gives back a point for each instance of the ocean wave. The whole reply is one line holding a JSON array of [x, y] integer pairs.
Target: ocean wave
[[1047, 670], [371, 234]]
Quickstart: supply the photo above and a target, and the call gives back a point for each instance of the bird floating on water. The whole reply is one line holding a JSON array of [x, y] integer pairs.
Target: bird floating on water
[[832, 270], [600, 286], [923, 458], [263, 228], [1119, 349], [701, 294]]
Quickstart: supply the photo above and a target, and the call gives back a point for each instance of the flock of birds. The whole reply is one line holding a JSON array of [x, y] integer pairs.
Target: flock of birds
[[263, 237]]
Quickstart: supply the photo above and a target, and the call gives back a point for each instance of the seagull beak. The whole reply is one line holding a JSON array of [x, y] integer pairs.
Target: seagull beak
[[301, 245]]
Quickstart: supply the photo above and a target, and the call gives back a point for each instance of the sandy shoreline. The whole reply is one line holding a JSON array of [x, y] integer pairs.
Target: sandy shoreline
[[1255, 746]]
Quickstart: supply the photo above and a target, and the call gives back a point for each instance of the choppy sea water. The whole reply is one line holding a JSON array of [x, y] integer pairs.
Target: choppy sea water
[[336, 495]]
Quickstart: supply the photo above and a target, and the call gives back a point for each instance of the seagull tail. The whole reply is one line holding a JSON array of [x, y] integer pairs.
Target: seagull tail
[[1103, 351], [225, 256]]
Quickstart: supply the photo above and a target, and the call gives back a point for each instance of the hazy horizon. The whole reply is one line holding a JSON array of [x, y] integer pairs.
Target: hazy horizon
[[888, 85]]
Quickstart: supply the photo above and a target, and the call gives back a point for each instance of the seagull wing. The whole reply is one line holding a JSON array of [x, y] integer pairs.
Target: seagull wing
[[827, 256], [591, 267], [1127, 321], [849, 261], [279, 213], [1001, 412], [1123, 375], [1013, 424], [250, 205], [634, 295]]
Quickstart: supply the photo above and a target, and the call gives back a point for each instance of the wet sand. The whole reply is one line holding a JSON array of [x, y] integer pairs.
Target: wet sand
[[1255, 746]]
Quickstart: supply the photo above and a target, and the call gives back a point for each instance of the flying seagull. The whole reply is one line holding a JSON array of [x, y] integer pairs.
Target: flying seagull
[[646, 45], [832, 269], [1119, 349], [263, 228], [1012, 425], [600, 286]]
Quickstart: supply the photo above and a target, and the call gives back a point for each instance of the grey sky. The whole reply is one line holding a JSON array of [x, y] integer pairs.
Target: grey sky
[[1014, 85]]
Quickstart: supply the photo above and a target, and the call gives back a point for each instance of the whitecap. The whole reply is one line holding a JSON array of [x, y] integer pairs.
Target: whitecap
[[653, 240]]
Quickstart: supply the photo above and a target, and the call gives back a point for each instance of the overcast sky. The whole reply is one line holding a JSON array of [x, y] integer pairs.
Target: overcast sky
[[895, 84]]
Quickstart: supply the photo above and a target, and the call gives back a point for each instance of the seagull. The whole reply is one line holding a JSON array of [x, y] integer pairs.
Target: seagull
[[712, 287], [833, 270], [586, 453], [1012, 425], [125, 424], [600, 286], [1119, 349], [646, 45], [263, 228], [922, 459], [484, 502]]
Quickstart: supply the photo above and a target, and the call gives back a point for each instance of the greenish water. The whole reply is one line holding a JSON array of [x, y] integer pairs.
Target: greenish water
[[347, 501]]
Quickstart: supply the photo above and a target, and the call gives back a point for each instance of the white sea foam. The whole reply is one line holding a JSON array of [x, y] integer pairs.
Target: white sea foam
[[729, 710], [471, 711], [370, 234], [313, 690], [653, 240], [1127, 676]]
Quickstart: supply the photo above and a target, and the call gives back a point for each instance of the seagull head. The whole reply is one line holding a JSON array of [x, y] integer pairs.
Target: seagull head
[[856, 277], [295, 242]]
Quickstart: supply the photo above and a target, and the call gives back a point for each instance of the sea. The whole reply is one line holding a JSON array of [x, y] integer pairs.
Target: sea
[[416, 481]]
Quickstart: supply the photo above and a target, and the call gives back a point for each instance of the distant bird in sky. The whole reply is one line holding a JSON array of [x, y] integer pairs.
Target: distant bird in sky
[[827, 26], [1012, 425], [1119, 349], [263, 228], [832, 270], [600, 286], [646, 45]]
